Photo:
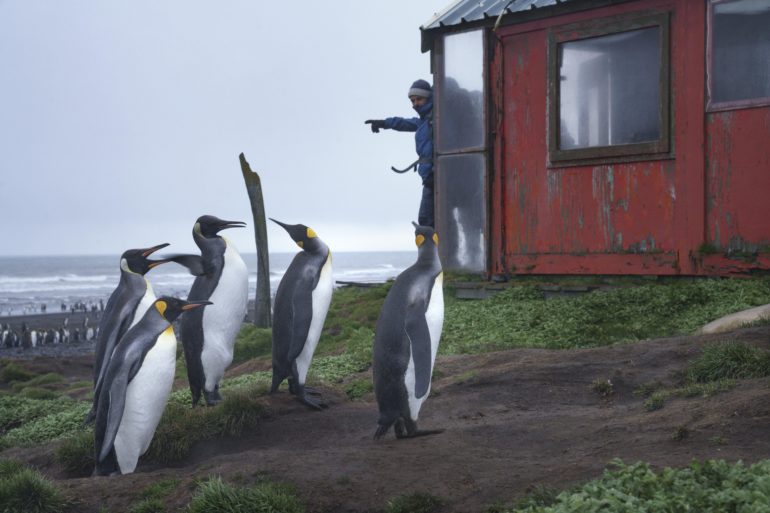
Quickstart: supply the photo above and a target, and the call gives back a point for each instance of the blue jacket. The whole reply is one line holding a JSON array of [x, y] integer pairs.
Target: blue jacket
[[423, 138]]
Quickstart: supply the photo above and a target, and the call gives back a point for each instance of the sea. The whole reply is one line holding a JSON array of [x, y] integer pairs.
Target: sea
[[49, 284]]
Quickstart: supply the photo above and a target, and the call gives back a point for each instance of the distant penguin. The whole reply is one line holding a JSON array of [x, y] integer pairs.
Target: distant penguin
[[126, 305], [301, 303], [406, 339], [208, 336], [136, 387]]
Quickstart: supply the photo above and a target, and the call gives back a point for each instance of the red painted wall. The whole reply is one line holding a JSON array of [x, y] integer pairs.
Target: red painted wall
[[644, 217]]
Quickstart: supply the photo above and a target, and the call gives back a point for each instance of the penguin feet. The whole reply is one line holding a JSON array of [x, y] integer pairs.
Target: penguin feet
[[212, 398], [303, 395], [409, 430]]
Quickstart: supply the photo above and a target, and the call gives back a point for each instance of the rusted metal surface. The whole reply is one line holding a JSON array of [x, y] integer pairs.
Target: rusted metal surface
[[651, 216]]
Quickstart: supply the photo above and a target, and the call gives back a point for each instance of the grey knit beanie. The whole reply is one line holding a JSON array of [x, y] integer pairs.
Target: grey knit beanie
[[420, 88]]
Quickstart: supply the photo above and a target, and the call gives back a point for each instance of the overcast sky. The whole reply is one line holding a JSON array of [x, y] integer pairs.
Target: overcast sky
[[121, 122]]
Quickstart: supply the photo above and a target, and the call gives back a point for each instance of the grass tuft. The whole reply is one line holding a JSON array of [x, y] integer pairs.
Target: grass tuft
[[252, 342], [729, 360], [76, 454], [27, 491], [12, 371], [216, 496], [414, 503]]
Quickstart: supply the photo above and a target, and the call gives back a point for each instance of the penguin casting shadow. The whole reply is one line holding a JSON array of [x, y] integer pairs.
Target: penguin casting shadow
[[208, 335], [406, 340], [137, 384], [301, 303]]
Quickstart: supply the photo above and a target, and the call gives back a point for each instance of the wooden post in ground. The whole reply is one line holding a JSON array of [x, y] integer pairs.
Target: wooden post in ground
[[262, 297]]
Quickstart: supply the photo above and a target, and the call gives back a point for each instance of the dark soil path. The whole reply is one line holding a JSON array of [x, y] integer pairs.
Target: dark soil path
[[513, 421]]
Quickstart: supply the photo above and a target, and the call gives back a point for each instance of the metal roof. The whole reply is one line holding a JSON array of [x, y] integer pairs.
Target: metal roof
[[466, 11]]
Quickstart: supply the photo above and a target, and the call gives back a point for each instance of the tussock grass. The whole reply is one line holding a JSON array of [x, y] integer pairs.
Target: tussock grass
[[216, 496], [414, 503], [252, 342], [76, 454], [45, 424], [729, 360], [181, 427], [23, 490], [714, 486], [12, 371]]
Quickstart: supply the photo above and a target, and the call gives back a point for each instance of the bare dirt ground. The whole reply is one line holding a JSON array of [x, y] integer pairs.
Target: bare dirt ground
[[513, 421]]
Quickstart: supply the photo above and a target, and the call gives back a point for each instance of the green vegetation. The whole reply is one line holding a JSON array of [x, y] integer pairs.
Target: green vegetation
[[359, 388], [216, 496], [714, 486], [252, 342], [522, 317], [23, 490], [76, 454], [39, 421], [729, 360], [414, 503], [12, 371], [152, 497]]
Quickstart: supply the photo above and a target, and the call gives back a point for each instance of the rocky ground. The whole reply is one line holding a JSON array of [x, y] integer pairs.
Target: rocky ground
[[513, 420]]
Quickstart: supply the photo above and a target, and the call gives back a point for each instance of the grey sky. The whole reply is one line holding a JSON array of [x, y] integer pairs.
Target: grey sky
[[121, 122]]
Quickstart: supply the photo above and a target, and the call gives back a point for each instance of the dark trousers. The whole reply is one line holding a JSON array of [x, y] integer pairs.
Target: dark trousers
[[425, 216]]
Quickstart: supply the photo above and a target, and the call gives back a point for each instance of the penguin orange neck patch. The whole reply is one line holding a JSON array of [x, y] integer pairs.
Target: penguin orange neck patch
[[419, 240], [161, 307], [311, 234]]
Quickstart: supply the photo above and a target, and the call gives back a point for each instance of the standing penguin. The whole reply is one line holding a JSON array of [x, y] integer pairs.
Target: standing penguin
[[208, 336], [406, 339], [137, 385], [301, 303], [126, 305]]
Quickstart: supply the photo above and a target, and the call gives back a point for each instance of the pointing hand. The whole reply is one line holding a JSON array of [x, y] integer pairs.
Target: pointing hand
[[376, 124]]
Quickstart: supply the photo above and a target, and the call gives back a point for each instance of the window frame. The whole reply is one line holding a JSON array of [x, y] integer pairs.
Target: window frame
[[714, 106], [620, 152]]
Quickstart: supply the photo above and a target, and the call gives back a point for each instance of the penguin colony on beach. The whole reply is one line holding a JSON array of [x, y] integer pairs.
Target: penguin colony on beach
[[27, 338], [136, 347]]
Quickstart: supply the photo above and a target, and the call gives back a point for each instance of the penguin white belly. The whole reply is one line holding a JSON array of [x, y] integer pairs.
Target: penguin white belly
[[434, 316], [222, 320], [322, 297], [146, 398], [144, 304]]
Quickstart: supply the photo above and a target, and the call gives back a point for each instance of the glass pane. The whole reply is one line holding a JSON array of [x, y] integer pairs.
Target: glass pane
[[740, 45], [461, 93], [461, 212], [609, 90]]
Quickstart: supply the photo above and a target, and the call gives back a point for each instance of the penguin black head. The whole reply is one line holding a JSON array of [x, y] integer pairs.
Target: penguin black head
[[209, 226], [422, 234], [170, 308], [137, 261], [303, 235]]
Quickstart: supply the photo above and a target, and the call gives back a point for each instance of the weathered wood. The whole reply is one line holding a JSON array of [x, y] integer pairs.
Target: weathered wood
[[262, 318]]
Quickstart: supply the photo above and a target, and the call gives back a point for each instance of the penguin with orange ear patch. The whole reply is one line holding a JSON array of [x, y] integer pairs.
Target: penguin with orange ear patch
[[406, 339], [136, 387], [301, 303]]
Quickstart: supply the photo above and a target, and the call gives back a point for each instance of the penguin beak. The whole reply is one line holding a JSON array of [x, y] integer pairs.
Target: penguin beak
[[230, 224], [285, 226], [155, 263], [149, 251], [195, 304]]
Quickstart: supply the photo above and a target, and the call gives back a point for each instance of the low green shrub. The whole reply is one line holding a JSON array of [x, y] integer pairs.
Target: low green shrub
[[148, 506], [46, 427], [38, 393], [18, 411], [729, 360], [414, 503], [252, 342], [49, 378], [27, 491], [216, 496], [359, 388], [12, 371], [76, 454], [714, 486]]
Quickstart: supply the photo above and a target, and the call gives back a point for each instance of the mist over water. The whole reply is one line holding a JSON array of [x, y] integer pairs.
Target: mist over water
[[27, 283]]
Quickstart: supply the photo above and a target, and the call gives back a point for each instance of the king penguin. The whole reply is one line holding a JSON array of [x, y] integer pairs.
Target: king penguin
[[208, 335], [136, 388], [126, 305], [406, 339], [301, 303]]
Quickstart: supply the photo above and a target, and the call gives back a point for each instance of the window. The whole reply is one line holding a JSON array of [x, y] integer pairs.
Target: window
[[739, 51], [609, 89]]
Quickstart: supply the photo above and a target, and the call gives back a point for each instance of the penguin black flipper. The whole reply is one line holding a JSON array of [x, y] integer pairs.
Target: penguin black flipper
[[302, 315], [416, 328], [193, 263], [114, 402]]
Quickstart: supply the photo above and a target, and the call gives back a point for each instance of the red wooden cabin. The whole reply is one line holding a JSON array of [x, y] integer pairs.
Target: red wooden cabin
[[602, 137]]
